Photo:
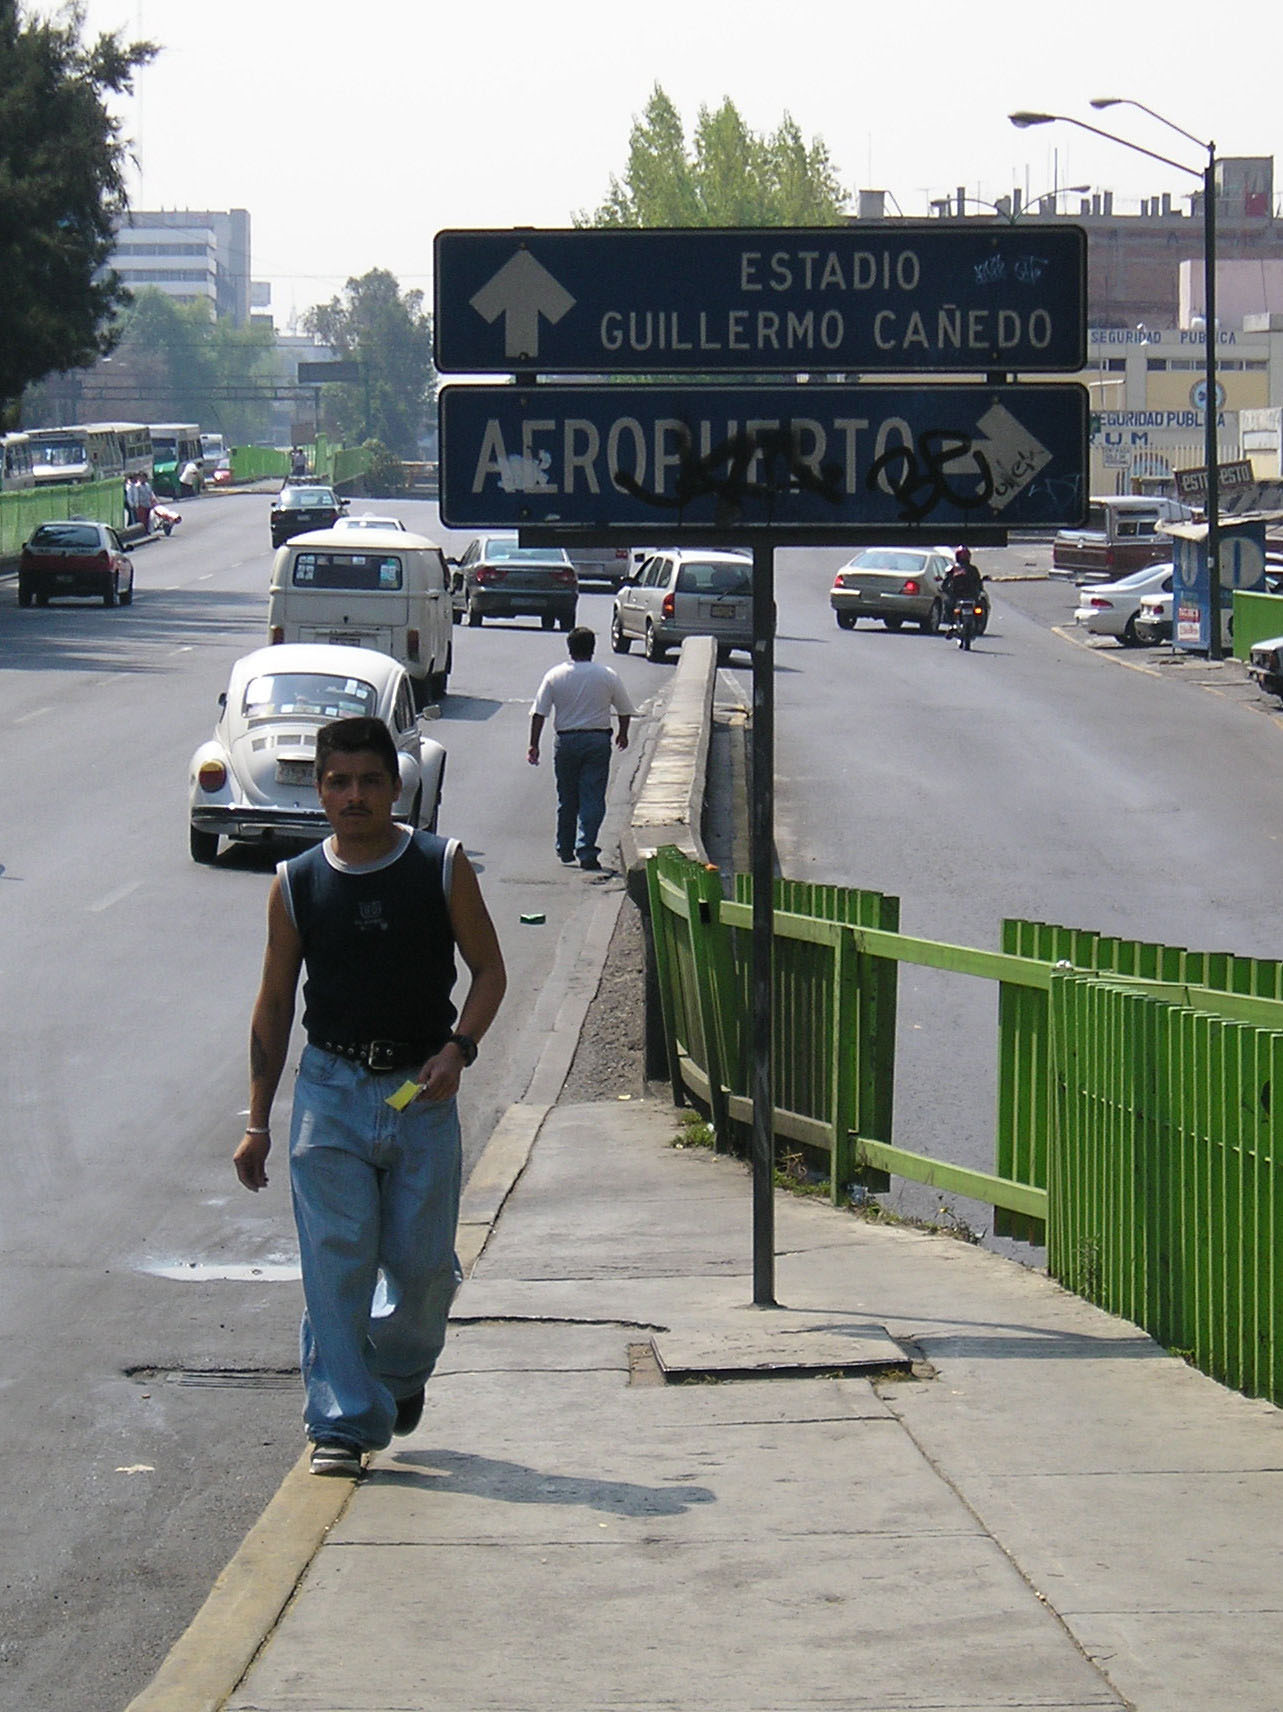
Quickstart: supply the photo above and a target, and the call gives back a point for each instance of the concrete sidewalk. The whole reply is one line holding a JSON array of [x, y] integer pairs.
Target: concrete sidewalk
[[986, 1495]]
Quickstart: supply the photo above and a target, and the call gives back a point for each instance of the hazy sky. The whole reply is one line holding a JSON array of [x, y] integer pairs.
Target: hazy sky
[[354, 132]]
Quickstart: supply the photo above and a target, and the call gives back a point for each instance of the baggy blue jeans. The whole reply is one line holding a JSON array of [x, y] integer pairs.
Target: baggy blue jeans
[[581, 766], [376, 1203]]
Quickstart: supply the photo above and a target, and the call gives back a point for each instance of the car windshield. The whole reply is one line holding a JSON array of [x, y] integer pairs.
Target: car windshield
[[348, 571], [58, 454], [503, 551], [66, 535], [694, 578], [887, 559], [307, 496], [316, 695]]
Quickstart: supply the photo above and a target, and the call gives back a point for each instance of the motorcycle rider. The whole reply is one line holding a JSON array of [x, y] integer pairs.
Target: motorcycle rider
[[962, 581]]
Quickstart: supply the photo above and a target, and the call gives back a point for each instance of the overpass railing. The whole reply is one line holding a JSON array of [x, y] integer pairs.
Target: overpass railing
[[1136, 1129]]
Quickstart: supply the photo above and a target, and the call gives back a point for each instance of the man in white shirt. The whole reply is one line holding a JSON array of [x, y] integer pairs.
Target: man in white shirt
[[580, 696]]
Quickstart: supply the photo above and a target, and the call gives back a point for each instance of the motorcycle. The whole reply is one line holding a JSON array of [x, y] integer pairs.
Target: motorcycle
[[165, 518], [968, 620]]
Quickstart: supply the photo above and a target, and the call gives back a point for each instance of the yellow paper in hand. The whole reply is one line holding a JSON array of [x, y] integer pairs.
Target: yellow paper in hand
[[404, 1094]]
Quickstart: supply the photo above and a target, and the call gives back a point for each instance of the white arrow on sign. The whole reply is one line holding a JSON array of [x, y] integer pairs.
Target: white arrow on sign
[[1014, 455], [521, 292]]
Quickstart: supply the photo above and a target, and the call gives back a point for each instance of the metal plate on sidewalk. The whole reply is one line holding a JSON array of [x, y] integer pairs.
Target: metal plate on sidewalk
[[778, 1344]]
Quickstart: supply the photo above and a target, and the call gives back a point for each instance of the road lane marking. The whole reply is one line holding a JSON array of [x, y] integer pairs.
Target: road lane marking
[[115, 897], [34, 714]]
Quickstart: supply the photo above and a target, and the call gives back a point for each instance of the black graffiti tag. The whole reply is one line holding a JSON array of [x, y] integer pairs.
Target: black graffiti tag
[[921, 477], [722, 473]]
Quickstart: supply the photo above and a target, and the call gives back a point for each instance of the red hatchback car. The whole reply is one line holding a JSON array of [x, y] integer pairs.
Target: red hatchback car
[[77, 558]]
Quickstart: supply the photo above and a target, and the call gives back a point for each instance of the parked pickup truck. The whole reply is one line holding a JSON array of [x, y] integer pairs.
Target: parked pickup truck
[[1121, 534]]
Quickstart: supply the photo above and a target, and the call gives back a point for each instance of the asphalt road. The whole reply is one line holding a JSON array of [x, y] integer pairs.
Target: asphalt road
[[148, 1305], [1032, 777]]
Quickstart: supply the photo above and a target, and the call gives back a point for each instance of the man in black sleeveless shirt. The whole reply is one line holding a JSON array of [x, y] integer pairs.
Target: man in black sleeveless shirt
[[374, 915]]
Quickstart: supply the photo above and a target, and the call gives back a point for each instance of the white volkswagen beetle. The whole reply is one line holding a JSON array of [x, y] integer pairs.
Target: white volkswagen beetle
[[256, 777]]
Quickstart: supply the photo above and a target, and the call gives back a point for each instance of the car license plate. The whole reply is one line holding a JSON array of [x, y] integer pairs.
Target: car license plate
[[344, 639], [723, 609], [295, 773]]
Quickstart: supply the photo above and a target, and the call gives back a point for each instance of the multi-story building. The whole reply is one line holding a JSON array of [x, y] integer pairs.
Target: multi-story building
[[189, 254]]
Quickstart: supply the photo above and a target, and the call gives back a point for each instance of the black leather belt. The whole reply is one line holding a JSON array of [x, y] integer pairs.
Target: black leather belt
[[380, 1054]]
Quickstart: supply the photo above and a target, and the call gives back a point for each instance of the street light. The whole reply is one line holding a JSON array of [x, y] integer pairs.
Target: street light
[[1010, 213], [1210, 447]]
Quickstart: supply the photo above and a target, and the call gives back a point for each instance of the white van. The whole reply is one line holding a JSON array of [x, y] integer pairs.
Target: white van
[[372, 588]]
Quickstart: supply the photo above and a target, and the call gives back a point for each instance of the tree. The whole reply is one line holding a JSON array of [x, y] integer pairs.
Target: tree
[[62, 192], [390, 335], [731, 176]]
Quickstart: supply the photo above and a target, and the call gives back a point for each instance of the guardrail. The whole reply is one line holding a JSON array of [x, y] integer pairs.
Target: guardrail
[[23, 510], [1136, 1124]]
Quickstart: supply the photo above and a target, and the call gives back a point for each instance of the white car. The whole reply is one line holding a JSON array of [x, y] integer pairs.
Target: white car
[[255, 779], [367, 520], [1154, 620], [1111, 609]]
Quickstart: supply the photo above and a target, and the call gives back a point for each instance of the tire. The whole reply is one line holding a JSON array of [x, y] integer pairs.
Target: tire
[[420, 692], [439, 682], [654, 648], [24, 593], [618, 641], [42, 597], [109, 593], [456, 617], [893, 623], [203, 845], [567, 621], [846, 620], [1129, 638], [931, 623], [127, 598], [474, 615]]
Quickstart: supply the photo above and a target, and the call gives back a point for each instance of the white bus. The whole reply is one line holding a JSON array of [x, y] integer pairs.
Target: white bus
[[15, 462], [62, 455], [174, 444], [134, 439]]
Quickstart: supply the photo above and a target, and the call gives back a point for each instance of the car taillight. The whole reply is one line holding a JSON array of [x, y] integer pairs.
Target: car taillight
[[912, 586], [839, 580], [212, 776], [104, 558], [412, 643], [275, 634], [564, 576], [621, 552], [666, 608], [491, 573], [1099, 604]]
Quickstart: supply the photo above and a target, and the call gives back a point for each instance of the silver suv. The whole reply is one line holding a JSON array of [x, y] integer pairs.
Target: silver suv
[[683, 592]]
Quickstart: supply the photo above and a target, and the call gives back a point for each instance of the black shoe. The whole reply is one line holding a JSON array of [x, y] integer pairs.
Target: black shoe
[[566, 856], [409, 1412], [333, 1456], [591, 864]]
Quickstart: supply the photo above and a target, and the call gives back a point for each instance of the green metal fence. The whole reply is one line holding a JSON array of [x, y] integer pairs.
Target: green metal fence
[[20, 512], [1136, 1122]]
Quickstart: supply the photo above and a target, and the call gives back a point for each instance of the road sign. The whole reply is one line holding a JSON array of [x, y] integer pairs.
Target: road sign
[[314, 374], [798, 457], [892, 298]]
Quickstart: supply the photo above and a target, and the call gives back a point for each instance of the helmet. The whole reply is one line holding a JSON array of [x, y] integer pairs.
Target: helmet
[[963, 555]]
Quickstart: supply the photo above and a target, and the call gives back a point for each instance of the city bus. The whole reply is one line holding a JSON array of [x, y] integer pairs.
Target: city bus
[[134, 440], [173, 445], [15, 462], [63, 455]]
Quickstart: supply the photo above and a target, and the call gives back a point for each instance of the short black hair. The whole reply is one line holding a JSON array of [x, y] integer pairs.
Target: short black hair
[[581, 642], [347, 736]]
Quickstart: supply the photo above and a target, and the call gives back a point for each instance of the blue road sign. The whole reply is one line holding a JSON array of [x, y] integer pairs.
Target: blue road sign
[[894, 298], [791, 458]]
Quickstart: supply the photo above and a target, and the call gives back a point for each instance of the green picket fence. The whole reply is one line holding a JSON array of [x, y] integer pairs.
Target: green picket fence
[[1136, 1122], [23, 510]]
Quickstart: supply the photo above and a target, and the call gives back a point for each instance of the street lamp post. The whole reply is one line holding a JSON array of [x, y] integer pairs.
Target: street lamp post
[[1210, 437], [1010, 213]]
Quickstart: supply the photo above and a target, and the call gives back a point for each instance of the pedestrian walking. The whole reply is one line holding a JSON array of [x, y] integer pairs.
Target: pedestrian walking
[[373, 917], [579, 696], [131, 498]]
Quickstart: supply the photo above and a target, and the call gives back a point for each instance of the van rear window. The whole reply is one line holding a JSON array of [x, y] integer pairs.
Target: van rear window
[[381, 572]]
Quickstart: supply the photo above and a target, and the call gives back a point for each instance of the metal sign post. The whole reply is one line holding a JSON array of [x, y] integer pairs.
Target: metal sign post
[[762, 867]]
